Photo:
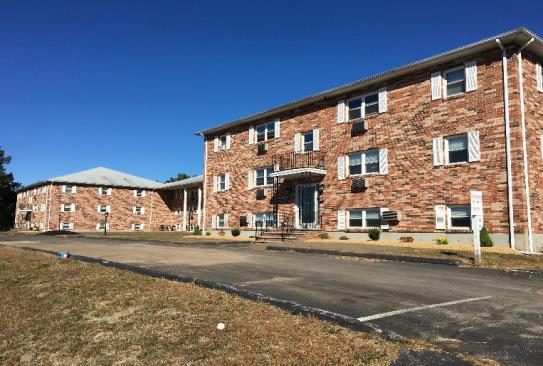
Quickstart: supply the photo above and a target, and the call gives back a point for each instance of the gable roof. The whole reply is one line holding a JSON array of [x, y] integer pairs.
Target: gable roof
[[101, 176], [517, 37]]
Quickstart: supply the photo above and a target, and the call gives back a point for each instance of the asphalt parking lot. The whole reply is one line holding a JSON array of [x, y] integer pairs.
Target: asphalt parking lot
[[487, 313]]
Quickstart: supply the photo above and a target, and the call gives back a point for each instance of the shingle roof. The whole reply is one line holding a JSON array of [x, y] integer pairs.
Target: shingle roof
[[192, 181], [518, 36]]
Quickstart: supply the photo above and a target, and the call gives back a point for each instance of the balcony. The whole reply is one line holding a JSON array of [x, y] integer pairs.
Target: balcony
[[299, 165]]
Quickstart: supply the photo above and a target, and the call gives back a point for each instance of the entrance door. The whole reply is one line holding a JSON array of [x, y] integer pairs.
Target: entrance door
[[307, 206]]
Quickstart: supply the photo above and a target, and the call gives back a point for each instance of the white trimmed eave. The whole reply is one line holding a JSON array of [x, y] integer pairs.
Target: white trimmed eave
[[298, 173]]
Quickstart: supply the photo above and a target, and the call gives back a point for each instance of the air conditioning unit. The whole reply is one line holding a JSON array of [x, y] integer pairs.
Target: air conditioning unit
[[359, 185], [358, 127], [262, 148], [390, 216], [260, 194]]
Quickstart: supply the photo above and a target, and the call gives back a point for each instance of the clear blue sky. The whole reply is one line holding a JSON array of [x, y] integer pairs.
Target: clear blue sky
[[125, 84]]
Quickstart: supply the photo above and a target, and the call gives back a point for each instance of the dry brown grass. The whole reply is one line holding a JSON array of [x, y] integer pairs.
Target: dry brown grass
[[65, 312]]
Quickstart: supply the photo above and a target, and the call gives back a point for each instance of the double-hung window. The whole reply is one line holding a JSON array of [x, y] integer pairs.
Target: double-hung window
[[221, 182], [103, 209], [138, 210], [223, 142], [307, 141], [459, 217], [265, 132], [264, 218], [69, 189], [67, 207], [262, 176], [221, 221], [137, 227], [105, 191], [456, 148], [455, 81], [369, 104], [364, 162], [366, 218]]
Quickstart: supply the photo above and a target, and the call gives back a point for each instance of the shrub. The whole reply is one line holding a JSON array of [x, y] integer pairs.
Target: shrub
[[374, 234], [407, 239], [236, 232], [343, 237], [197, 230], [442, 240], [486, 241], [208, 233], [324, 236]]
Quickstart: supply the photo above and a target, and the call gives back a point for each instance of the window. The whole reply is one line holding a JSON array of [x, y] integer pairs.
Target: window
[[221, 221], [138, 210], [101, 226], [221, 180], [104, 191], [266, 218], [102, 209], [137, 227], [307, 140], [67, 207], [460, 217], [69, 189], [66, 226], [364, 162], [365, 218], [265, 132], [223, 142], [370, 104], [456, 148], [139, 193], [263, 176], [455, 81]]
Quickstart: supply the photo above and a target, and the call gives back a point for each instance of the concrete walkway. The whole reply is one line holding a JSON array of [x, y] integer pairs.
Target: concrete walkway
[[484, 312]]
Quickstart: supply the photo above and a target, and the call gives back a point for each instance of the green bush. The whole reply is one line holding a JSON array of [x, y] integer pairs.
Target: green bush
[[374, 234], [324, 236], [208, 233], [197, 230], [236, 232], [486, 241], [343, 237], [442, 240]]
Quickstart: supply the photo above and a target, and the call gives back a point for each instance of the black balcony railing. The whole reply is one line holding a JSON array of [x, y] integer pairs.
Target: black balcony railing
[[313, 159]]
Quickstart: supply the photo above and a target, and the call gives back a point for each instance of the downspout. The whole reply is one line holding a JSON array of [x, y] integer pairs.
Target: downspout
[[49, 208], [507, 145], [524, 148], [205, 186], [151, 215]]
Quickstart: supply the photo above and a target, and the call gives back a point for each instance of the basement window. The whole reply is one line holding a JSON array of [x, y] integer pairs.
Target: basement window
[[459, 217], [367, 218]]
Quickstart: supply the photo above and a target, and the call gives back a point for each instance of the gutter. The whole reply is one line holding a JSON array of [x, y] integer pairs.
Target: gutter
[[507, 145], [524, 148]]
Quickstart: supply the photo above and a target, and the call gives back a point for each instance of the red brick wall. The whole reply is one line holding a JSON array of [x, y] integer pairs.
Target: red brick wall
[[413, 185]]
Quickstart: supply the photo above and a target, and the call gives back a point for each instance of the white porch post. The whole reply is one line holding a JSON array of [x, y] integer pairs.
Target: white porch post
[[185, 209], [199, 209]]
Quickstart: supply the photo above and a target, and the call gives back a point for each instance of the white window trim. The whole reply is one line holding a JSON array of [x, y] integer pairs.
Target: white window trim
[[217, 217], [141, 227], [348, 166], [101, 229], [64, 205], [364, 219], [265, 177], [218, 188], [70, 226], [139, 190], [449, 219], [444, 81], [362, 105], [275, 135], [107, 189]]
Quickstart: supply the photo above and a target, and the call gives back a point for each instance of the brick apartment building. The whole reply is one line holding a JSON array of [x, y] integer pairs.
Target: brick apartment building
[[400, 151], [80, 202]]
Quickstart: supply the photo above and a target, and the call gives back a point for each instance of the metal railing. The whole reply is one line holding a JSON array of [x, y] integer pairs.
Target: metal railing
[[312, 159]]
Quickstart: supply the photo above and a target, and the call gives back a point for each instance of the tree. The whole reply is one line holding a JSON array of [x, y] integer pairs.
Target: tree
[[180, 176], [8, 196]]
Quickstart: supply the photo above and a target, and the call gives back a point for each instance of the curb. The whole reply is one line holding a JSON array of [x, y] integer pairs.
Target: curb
[[390, 257], [290, 306], [163, 242]]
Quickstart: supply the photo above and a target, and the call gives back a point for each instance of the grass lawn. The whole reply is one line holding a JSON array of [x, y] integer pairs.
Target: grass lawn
[[66, 312]]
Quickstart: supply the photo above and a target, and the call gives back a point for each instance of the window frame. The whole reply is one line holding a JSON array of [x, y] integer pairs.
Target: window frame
[[267, 130], [139, 193], [100, 210], [449, 218], [138, 210], [266, 172], [62, 226], [363, 164], [363, 106], [364, 214], [70, 187], [221, 181], [218, 218], [222, 145], [304, 143], [447, 150], [104, 191], [140, 227], [69, 205], [446, 84], [267, 218]]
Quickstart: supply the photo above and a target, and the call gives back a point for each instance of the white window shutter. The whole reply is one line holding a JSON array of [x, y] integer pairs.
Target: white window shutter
[[226, 181], [277, 123], [135, 193], [98, 208], [213, 221], [297, 142], [341, 111], [440, 217], [341, 168], [383, 161], [383, 105], [384, 224], [72, 207], [474, 149], [226, 220], [63, 189], [251, 135], [316, 139], [471, 76], [438, 151], [134, 210], [216, 144], [108, 208], [214, 184], [250, 179], [341, 220], [74, 189], [436, 85], [539, 77], [143, 193], [143, 210], [228, 141], [109, 191], [71, 225]]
